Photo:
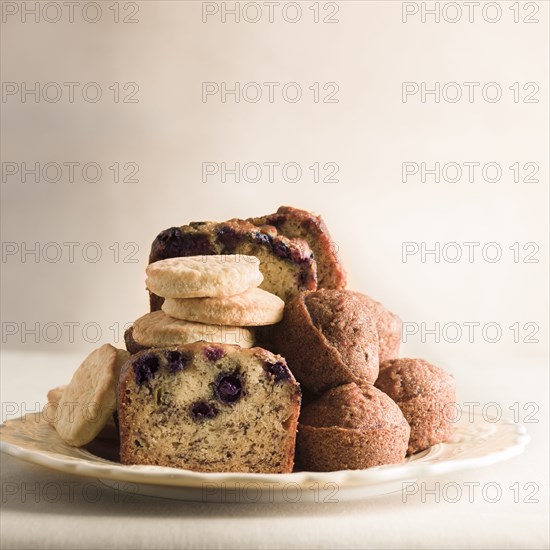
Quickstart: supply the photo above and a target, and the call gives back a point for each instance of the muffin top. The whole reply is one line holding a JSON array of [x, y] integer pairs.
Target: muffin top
[[404, 379], [353, 407], [343, 320]]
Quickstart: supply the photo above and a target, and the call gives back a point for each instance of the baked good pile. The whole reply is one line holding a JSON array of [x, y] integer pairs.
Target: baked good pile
[[255, 357]]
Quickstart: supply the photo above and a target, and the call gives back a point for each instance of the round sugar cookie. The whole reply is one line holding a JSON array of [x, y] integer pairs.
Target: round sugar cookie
[[158, 330], [204, 276], [255, 307]]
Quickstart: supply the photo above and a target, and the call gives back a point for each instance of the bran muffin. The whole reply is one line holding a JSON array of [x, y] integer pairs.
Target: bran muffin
[[424, 394], [388, 326], [328, 338], [351, 427]]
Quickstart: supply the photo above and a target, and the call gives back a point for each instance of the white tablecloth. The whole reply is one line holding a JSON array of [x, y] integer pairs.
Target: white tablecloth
[[88, 514]]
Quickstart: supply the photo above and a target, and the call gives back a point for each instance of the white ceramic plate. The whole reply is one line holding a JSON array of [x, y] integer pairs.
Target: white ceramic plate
[[479, 442]]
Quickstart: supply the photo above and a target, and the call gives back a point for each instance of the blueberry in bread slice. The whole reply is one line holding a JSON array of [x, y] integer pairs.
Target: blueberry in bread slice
[[209, 408], [287, 264]]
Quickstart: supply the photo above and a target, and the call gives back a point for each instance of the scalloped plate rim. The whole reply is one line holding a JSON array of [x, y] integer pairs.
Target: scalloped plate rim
[[99, 468]]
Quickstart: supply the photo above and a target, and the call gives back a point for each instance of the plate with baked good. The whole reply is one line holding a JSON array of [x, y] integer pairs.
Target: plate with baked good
[[476, 442], [258, 376]]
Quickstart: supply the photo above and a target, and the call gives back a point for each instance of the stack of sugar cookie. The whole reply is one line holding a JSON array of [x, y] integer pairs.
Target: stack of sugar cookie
[[212, 298]]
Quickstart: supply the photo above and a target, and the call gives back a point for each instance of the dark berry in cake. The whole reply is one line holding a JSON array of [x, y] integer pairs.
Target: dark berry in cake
[[203, 410], [145, 367], [172, 243], [281, 249], [177, 360], [278, 371], [263, 238], [213, 353], [228, 237], [228, 388], [169, 242]]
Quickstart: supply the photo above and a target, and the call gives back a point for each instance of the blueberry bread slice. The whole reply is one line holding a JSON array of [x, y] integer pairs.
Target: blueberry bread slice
[[295, 223], [208, 408], [287, 264]]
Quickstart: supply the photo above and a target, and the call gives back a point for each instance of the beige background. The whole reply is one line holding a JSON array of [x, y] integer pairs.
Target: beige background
[[170, 132], [369, 133]]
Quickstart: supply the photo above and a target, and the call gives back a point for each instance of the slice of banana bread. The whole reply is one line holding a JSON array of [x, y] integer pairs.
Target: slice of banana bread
[[209, 408], [287, 264], [294, 223]]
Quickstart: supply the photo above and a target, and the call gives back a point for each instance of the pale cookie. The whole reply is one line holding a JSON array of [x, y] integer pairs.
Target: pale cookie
[[89, 400], [158, 330], [255, 307], [53, 408], [204, 276], [50, 410], [54, 395]]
